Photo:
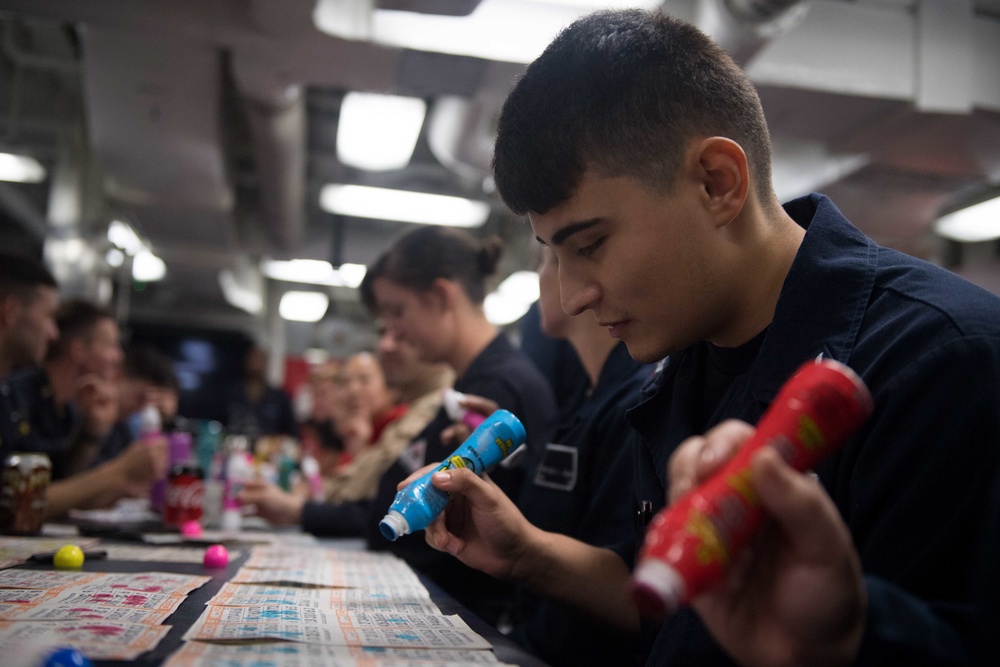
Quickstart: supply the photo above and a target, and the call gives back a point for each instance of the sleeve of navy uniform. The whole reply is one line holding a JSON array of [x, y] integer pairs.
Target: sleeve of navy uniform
[[349, 519], [917, 532]]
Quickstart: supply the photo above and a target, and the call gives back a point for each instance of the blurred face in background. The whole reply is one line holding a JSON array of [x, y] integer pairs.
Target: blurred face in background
[[328, 394], [137, 393], [255, 364], [31, 325], [365, 390], [100, 353], [417, 319], [400, 361]]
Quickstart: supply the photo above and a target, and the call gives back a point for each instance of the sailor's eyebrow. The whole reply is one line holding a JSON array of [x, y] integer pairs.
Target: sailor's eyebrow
[[560, 236]]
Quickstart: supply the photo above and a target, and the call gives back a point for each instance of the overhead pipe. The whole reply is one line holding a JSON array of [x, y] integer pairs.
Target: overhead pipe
[[744, 27], [461, 130], [41, 62], [277, 116]]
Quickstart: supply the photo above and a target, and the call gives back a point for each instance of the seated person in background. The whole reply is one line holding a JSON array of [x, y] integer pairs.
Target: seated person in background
[[580, 484], [71, 399], [28, 300], [26, 327], [128, 475], [556, 359], [428, 290], [320, 438], [369, 404], [419, 386], [349, 488], [658, 202], [255, 407], [147, 378]]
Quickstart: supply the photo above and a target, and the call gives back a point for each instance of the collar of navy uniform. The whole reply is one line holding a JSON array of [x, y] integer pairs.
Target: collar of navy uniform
[[835, 266]]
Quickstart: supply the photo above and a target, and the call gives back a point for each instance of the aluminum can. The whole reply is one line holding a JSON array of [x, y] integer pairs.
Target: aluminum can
[[185, 495], [23, 487]]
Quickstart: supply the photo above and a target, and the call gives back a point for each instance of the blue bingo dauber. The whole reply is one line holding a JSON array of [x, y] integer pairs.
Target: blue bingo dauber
[[419, 503]]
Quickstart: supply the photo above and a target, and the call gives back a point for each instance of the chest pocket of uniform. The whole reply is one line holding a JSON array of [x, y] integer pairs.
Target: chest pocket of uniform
[[558, 468]]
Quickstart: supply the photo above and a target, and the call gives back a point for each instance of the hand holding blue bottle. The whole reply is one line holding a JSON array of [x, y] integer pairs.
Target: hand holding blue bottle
[[419, 503]]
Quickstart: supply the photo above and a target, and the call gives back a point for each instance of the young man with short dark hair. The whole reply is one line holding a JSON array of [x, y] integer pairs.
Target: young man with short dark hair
[[640, 153]]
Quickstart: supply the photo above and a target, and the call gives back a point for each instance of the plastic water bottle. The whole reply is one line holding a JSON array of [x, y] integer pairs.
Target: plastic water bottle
[[151, 426]]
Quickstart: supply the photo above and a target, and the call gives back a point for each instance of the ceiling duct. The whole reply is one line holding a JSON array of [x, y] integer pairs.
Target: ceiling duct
[[460, 134], [744, 27], [276, 111], [442, 7], [461, 129]]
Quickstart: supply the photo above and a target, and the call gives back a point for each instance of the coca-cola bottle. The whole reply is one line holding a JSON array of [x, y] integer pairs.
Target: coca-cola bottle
[[185, 495]]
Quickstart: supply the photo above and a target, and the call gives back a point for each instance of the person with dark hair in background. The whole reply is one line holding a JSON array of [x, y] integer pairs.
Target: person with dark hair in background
[[255, 407], [419, 385], [147, 378], [578, 487], [428, 290], [28, 300], [30, 421], [556, 359], [370, 407], [640, 153], [71, 399], [319, 430]]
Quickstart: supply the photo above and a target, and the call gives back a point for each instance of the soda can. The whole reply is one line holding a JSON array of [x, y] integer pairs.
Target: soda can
[[25, 482], [185, 495]]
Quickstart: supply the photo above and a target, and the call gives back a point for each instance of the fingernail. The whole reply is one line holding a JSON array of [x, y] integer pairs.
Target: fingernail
[[767, 465], [441, 477], [708, 455]]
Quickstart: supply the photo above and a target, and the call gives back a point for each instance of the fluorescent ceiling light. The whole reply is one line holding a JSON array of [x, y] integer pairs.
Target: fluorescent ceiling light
[[123, 236], [20, 169], [353, 274], [501, 310], [147, 267], [378, 132], [403, 205], [303, 306], [114, 257], [980, 222], [508, 30], [512, 298], [314, 272], [522, 285]]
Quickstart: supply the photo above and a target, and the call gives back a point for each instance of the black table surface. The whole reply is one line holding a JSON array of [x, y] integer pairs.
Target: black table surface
[[191, 609]]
